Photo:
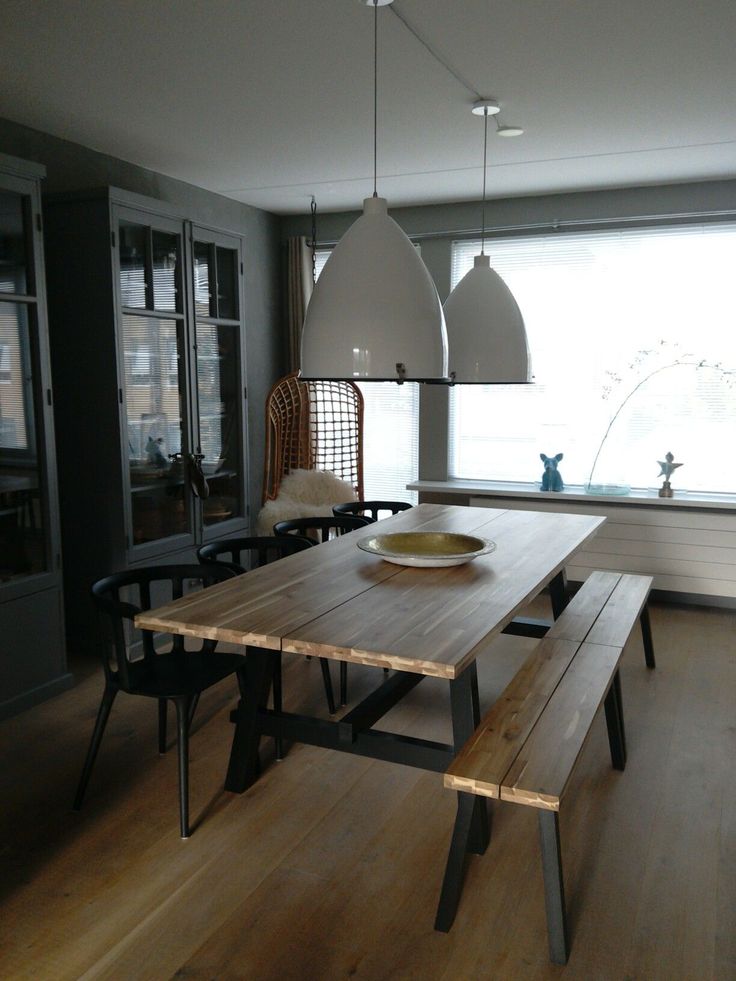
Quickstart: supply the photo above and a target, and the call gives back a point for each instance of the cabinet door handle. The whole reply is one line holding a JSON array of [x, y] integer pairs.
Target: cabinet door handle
[[197, 479]]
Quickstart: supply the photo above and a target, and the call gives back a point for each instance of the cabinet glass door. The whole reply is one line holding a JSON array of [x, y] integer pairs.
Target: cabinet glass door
[[25, 548], [154, 380], [219, 379], [23, 540], [153, 346]]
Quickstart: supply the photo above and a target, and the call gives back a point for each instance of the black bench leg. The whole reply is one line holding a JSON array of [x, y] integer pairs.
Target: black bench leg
[[244, 765], [465, 709], [558, 593], [646, 636], [554, 889], [452, 884], [615, 723]]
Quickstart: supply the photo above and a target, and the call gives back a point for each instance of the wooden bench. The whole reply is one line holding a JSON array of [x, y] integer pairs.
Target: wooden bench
[[526, 746]]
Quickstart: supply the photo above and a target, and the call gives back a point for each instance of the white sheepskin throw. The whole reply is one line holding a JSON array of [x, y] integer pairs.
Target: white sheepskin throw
[[304, 494]]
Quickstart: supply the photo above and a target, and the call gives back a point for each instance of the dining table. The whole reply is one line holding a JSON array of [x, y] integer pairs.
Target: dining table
[[340, 602]]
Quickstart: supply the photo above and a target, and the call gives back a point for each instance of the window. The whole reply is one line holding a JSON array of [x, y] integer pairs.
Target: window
[[630, 329], [390, 433], [5, 369]]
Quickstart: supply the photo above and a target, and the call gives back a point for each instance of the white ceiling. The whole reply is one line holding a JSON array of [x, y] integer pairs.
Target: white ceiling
[[271, 101]]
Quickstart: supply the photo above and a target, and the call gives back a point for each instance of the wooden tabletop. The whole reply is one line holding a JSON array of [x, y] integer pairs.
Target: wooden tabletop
[[339, 602]]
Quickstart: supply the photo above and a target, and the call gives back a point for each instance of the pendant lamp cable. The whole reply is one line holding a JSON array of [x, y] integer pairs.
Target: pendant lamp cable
[[375, 98], [485, 155], [313, 243]]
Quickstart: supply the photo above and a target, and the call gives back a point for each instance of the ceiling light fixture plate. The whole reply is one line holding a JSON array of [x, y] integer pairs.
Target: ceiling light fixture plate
[[377, 3], [485, 107], [509, 131]]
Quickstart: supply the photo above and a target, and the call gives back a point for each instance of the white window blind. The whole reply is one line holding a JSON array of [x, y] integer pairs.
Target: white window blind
[[390, 432], [637, 324]]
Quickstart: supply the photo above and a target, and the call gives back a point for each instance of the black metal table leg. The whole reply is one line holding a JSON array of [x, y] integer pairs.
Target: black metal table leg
[[244, 765], [472, 823], [278, 701], [465, 708], [452, 883], [558, 593], [554, 890], [646, 636]]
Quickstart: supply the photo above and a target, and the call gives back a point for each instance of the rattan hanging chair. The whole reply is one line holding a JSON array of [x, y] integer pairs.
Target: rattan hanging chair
[[314, 425]]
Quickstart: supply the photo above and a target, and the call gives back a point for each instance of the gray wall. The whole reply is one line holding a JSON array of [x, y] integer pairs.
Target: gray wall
[[73, 167], [435, 226]]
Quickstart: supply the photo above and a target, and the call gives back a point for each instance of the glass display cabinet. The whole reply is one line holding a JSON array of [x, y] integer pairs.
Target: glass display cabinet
[[33, 665], [146, 314]]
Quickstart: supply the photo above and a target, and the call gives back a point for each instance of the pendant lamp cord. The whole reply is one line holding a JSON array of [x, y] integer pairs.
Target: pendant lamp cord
[[485, 153], [314, 240], [375, 97]]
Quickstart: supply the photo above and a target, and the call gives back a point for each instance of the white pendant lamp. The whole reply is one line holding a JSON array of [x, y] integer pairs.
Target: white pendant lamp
[[375, 314], [485, 328]]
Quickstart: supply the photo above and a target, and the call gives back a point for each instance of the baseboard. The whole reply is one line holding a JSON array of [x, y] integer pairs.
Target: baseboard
[[36, 695]]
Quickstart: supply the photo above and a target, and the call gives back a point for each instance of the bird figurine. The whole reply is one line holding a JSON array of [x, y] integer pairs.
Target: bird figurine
[[667, 468]]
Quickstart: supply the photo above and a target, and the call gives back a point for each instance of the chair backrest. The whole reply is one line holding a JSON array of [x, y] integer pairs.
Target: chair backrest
[[370, 509], [315, 425], [322, 526], [122, 595], [242, 554]]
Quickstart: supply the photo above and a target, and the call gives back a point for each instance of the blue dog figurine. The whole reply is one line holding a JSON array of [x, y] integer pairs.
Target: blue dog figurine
[[551, 478]]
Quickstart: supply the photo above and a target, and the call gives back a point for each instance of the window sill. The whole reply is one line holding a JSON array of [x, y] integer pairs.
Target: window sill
[[636, 497]]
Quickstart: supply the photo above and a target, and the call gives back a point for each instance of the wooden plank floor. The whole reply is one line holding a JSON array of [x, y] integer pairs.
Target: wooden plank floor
[[330, 866]]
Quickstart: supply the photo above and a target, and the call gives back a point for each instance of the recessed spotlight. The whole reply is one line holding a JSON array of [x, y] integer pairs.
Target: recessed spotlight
[[509, 130]]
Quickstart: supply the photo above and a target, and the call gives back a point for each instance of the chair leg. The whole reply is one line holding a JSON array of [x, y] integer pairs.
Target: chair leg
[[343, 682], [646, 636], [162, 726], [103, 714], [327, 678], [183, 708], [193, 709]]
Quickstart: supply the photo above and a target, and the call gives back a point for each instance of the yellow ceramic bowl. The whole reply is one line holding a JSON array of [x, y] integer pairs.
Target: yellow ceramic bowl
[[430, 549]]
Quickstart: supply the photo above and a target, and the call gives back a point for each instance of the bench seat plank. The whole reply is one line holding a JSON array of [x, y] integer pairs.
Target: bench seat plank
[[483, 762], [583, 610], [541, 771], [623, 609]]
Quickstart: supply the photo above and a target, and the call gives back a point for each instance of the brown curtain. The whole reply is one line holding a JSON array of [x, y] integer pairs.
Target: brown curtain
[[299, 286]]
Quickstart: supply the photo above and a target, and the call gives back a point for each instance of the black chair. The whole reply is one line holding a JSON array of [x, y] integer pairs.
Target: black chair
[[323, 526], [176, 674], [242, 554], [370, 509], [340, 524]]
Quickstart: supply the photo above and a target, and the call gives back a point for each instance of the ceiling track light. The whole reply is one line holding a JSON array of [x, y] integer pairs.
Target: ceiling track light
[[374, 314], [485, 329]]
